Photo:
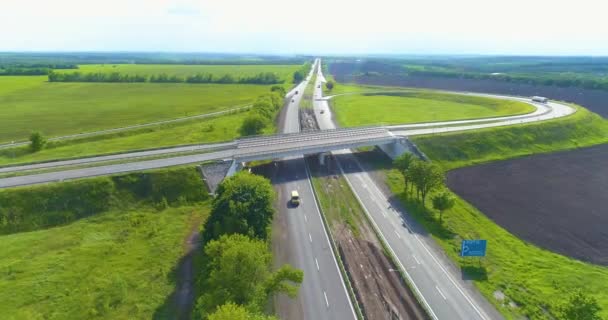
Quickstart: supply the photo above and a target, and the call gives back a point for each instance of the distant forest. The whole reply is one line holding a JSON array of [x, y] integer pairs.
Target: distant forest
[[260, 78]]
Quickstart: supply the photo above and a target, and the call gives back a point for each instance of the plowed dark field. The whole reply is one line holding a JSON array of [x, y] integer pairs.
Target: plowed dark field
[[557, 201]]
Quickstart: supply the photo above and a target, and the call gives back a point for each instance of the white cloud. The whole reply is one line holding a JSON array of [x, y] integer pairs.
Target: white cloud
[[314, 26]]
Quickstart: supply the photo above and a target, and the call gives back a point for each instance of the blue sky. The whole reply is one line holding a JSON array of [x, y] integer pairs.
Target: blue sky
[[314, 26]]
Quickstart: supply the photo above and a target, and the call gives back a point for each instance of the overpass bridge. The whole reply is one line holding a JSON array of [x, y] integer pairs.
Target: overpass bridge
[[243, 150], [310, 142]]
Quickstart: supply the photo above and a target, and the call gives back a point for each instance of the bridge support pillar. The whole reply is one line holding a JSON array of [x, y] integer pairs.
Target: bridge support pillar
[[396, 148], [234, 168], [322, 156], [401, 146]]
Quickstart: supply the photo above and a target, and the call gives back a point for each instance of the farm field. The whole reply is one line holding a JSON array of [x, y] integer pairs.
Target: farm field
[[418, 106], [382, 74], [57, 109], [285, 72], [555, 201], [217, 129]]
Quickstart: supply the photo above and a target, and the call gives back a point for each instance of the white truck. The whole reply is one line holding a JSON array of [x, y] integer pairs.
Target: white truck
[[540, 99]]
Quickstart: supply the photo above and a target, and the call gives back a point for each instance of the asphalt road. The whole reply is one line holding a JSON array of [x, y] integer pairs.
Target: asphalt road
[[121, 156], [445, 294], [303, 240]]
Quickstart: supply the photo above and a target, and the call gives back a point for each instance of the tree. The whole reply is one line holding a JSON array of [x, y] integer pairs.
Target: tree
[[278, 89], [403, 163], [252, 125], [244, 204], [580, 306], [38, 141], [298, 76], [231, 311], [238, 271], [443, 201], [329, 85], [237, 266], [426, 177]]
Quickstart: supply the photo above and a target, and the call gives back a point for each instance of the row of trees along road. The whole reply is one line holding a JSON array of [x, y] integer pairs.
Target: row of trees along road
[[425, 178], [263, 111], [236, 280]]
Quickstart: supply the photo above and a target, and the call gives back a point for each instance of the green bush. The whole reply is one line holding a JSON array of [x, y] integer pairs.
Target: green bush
[[30, 208], [35, 207]]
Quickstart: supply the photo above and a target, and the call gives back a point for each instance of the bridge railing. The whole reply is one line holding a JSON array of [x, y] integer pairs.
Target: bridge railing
[[315, 148], [311, 135]]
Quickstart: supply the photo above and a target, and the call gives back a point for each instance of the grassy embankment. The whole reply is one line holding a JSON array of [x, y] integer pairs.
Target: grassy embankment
[[536, 280], [454, 150], [109, 253], [419, 106]]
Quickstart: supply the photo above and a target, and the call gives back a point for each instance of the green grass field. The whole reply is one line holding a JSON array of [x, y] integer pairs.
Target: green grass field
[[209, 130], [31, 104], [536, 280], [116, 265], [285, 72], [418, 106]]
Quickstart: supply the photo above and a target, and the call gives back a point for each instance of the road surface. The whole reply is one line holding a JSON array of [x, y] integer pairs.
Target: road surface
[[436, 280], [300, 239]]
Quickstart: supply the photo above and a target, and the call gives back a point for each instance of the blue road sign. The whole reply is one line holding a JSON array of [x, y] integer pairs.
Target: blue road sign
[[473, 248]]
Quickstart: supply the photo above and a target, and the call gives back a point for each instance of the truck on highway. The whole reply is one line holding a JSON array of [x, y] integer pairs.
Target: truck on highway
[[540, 99], [295, 198]]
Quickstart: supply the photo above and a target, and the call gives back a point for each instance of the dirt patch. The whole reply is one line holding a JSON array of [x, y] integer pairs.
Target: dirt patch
[[308, 121], [385, 75], [555, 201], [380, 290], [184, 292]]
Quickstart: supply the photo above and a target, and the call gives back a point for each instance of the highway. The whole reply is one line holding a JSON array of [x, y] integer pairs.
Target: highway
[[323, 295], [274, 146], [300, 238], [435, 278]]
